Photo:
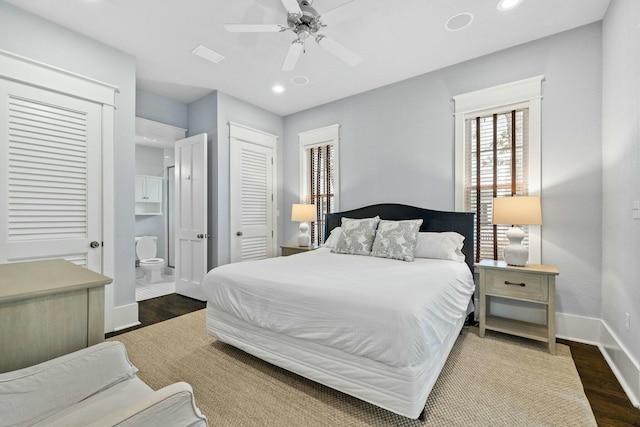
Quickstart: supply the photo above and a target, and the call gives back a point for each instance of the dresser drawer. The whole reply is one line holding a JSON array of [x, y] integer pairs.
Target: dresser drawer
[[517, 285]]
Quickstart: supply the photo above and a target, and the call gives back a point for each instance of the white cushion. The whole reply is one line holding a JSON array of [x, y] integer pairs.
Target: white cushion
[[100, 405], [447, 245], [31, 394], [331, 241]]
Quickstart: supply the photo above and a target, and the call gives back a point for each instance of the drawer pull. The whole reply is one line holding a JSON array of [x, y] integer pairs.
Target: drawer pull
[[506, 282]]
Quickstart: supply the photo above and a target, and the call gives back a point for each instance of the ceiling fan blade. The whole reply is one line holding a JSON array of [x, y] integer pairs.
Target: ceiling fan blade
[[339, 50], [293, 54], [292, 6], [254, 28]]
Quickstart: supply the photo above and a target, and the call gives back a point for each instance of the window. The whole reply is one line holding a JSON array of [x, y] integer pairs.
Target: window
[[319, 175], [498, 155], [496, 163]]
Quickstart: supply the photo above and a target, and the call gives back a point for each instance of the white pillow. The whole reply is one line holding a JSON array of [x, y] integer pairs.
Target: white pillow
[[446, 245], [357, 236], [333, 238], [396, 239]]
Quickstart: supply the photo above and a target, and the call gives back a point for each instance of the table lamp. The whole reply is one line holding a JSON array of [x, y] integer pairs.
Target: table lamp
[[517, 210], [303, 213]]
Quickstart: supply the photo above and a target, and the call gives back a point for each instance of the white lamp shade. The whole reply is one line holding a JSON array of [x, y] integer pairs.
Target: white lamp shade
[[518, 210], [523, 210], [303, 212]]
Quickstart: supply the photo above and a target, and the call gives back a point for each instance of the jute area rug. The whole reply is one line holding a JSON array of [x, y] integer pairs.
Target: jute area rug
[[493, 381]]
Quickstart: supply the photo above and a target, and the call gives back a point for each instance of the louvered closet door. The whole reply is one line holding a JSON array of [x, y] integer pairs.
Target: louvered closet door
[[50, 189], [252, 201]]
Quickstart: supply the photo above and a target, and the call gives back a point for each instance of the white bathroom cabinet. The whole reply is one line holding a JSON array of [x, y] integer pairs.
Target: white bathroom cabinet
[[148, 194]]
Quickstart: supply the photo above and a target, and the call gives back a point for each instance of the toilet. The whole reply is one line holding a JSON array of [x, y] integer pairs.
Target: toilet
[[151, 266]]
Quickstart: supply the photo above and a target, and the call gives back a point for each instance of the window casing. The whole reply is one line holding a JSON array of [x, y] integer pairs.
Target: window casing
[[496, 165], [319, 175], [507, 120]]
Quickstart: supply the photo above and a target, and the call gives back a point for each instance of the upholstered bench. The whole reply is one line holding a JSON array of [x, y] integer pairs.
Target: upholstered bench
[[97, 386]]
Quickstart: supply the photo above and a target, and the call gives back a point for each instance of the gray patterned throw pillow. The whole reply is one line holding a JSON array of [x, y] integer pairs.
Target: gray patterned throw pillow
[[396, 239], [357, 236]]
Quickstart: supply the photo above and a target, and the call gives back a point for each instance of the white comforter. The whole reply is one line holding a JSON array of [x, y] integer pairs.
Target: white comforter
[[391, 311]]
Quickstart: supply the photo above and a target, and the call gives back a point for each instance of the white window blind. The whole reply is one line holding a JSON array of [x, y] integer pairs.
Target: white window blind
[[496, 165]]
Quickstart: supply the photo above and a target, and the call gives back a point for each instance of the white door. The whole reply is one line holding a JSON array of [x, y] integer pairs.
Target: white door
[[191, 215], [50, 176], [252, 194]]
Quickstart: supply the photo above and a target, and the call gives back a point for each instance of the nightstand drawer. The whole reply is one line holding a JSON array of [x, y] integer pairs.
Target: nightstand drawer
[[517, 285]]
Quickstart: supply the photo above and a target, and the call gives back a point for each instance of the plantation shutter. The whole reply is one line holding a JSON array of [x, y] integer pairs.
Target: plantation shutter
[[321, 187], [254, 201], [47, 172], [496, 162]]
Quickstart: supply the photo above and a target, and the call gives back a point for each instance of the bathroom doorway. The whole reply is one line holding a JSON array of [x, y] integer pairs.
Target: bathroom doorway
[[155, 206]]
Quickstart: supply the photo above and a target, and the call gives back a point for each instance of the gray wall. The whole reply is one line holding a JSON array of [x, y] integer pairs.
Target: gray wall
[[150, 161], [160, 109], [211, 114], [36, 38], [621, 171], [397, 145]]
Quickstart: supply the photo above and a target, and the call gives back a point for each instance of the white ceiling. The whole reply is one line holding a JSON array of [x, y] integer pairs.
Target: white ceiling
[[396, 40]]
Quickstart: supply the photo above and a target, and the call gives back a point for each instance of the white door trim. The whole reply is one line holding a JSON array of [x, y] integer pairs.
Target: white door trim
[[250, 135], [38, 74]]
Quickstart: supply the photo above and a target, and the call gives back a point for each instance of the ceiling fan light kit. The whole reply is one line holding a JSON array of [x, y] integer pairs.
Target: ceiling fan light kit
[[304, 21]]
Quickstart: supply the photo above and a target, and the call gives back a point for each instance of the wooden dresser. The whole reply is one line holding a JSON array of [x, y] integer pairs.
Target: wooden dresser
[[47, 309]]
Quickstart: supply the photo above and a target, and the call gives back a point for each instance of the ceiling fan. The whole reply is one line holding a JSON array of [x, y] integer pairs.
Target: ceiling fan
[[305, 22]]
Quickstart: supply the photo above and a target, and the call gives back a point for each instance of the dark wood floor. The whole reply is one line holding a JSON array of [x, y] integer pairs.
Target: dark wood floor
[[609, 403], [163, 308]]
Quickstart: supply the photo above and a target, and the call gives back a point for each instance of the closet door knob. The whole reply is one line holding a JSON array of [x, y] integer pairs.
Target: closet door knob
[[239, 233], [94, 244]]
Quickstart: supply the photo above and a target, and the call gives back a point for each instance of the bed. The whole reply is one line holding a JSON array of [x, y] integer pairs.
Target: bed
[[376, 328]]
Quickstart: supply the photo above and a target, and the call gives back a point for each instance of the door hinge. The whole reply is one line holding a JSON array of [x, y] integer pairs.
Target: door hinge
[[271, 233], [272, 197], [272, 160]]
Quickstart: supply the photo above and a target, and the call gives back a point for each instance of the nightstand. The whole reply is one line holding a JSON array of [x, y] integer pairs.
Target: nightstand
[[295, 249], [533, 283]]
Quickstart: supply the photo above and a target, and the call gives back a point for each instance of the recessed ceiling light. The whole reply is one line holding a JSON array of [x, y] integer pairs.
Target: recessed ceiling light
[[208, 54], [300, 80], [508, 4], [459, 21], [278, 88]]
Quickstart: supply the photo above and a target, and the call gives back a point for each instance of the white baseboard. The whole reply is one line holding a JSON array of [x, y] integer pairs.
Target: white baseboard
[[125, 316], [578, 328], [624, 367]]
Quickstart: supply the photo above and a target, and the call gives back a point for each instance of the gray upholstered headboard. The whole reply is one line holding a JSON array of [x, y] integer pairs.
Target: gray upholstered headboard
[[437, 221]]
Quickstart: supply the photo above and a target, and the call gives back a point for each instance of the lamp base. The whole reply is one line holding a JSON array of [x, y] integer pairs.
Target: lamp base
[[515, 253], [304, 239]]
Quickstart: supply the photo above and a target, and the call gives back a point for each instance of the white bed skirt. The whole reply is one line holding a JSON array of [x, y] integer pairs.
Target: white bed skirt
[[403, 390]]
